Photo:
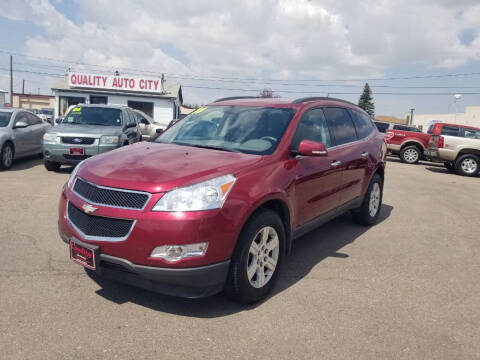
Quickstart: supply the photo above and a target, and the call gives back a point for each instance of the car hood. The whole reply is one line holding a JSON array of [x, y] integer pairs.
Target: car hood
[[155, 167], [87, 130]]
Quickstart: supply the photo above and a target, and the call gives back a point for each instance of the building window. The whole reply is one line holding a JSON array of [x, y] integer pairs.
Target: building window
[[98, 99], [146, 107], [67, 101]]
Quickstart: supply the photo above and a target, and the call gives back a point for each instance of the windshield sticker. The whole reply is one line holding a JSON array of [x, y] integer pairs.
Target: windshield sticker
[[199, 110], [77, 109]]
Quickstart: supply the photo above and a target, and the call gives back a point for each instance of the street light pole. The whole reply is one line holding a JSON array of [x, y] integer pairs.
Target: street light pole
[[411, 116]]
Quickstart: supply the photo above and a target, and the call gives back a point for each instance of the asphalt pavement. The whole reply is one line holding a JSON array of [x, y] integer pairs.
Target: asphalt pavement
[[407, 288]]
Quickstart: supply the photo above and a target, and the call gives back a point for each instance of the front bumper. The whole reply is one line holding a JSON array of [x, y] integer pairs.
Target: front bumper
[[195, 282], [60, 153]]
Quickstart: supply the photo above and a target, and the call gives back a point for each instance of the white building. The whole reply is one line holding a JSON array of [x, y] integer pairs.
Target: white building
[[471, 117], [2, 97], [149, 95]]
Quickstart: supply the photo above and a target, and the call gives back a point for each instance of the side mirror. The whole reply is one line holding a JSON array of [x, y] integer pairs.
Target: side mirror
[[20, 125], [58, 120], [159, 131], [312, 148]]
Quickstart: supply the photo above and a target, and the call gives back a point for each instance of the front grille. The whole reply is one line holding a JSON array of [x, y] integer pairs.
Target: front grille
[[77, 140], [91, 226], [76, 157], [109, 196]]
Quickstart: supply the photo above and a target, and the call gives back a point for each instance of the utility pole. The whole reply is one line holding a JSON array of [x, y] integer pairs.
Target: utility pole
[[11, 81], [411, 116], [23, 87]]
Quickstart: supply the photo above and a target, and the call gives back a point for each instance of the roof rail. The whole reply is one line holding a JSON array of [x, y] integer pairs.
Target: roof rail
[[237, 98], [313, 98]]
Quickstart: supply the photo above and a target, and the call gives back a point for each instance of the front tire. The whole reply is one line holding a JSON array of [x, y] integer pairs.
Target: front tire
[[368, 212], [51, 165], [468, 165], [410, 154], [257, 258], [6, 158]]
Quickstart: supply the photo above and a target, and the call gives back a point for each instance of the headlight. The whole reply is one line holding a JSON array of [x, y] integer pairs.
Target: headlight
[[109, 140], [206, 195], [173, 253], [51, 138], [73, 174]]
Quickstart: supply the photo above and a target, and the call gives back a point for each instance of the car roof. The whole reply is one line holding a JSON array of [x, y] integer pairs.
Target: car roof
[[284, 103]]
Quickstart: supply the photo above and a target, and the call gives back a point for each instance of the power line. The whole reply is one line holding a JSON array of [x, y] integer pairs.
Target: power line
[[223, 78]]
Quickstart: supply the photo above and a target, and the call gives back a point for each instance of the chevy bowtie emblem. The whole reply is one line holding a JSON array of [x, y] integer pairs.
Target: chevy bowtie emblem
[[89, 209]]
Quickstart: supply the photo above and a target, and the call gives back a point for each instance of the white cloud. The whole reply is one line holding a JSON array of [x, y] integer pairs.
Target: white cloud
[[278, 38]]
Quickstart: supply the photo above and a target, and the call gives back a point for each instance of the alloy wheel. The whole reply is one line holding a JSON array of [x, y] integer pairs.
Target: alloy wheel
[[410, 155], [7, 156], [469, 165], [263, 257], [374, 200]]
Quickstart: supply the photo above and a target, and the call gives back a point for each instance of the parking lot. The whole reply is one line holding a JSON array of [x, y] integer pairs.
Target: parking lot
[[407, 288]]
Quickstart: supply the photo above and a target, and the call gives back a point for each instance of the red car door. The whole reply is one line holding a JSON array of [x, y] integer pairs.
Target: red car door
[[318, 179]]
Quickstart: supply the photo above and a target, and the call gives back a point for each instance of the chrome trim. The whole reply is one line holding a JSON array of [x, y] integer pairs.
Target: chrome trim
[[99, 238], [113, 189]]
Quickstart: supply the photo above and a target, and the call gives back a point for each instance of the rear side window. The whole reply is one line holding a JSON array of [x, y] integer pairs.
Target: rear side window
[[450, 130], [471, 133], [341, 125], [363, 124], [382, 127], [312, 126]]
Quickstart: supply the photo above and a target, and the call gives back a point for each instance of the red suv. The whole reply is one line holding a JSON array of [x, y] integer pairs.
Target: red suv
[[216, 201]]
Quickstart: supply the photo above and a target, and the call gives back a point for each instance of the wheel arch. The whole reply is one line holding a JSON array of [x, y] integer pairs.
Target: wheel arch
[[9, 141], [468, 151], [279, 206], [413, 143]]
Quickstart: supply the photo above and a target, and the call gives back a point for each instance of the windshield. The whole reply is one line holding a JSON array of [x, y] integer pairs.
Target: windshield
[[253, 130], [84, 115], [5, 118]]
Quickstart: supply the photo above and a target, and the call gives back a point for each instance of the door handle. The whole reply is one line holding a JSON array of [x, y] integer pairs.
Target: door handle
[[335, 164], [364, 155]]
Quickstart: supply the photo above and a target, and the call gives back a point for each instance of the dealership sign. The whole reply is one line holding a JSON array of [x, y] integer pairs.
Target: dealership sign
[[112, 82]]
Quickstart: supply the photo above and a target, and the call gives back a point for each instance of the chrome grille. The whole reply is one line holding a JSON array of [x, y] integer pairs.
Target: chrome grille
[[93, 227], [113, 197]]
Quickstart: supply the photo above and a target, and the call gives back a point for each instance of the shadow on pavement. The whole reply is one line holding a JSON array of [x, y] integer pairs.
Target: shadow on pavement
[[308, 251], [26, 163]]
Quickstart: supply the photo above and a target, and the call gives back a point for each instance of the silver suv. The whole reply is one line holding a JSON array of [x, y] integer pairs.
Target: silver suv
[[88, 130]]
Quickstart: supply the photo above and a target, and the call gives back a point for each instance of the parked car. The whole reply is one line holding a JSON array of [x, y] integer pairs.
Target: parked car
[[147, 125], [88, 130], [46, 114], [409, 145], [457, 146], [383, 127], [21, 134], [215, 203]]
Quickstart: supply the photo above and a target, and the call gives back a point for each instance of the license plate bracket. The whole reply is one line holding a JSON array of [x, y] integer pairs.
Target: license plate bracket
[[77, 151], [84, 254]]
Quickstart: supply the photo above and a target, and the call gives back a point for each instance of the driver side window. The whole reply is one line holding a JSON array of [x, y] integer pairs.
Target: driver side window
[[312, 126]]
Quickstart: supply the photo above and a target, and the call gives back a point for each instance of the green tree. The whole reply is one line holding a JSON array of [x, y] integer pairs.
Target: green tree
[[366, 101]]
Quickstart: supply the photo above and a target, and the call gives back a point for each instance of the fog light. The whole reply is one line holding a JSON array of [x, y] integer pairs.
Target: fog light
[[173, 253]]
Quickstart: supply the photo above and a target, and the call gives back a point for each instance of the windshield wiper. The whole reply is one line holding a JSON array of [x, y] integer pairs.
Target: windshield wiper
[[216, 148], [208, 147]]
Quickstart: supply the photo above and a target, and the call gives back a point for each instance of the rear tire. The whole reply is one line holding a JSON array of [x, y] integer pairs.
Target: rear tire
[[6, 157], [368, 212], [468, 165], [410, 154], [257, 258], [52, 165]]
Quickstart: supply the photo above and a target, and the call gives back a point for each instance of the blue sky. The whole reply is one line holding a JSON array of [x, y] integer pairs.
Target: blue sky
[[281, 44]]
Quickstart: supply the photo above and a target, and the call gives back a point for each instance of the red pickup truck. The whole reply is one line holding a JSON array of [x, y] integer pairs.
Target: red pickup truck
[[409, 145]]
